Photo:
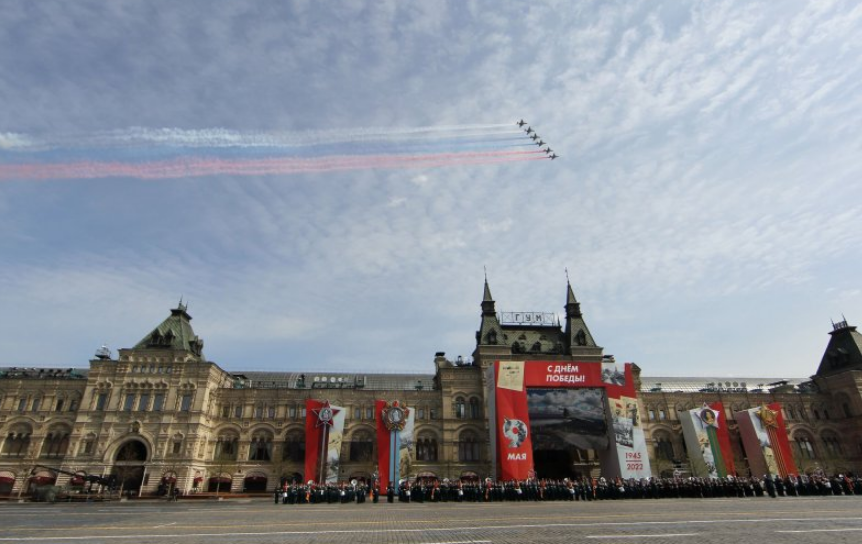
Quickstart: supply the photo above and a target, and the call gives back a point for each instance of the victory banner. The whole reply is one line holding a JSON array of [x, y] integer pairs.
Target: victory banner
[[764, 437], [324, 432], [707, 441], [395, 441], [629, 437], [512, 436]]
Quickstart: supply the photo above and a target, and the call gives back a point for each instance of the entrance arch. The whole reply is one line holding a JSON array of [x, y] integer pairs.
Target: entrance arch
[[129, 465]]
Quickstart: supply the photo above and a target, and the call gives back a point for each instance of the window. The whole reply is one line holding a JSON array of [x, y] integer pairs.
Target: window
[[186, 402], [833, 445], [261, 448], [420, 413], [258, 412], [369, 413], [17, 443], [101, 400], [225, 411], [22, 405], [432, 413], [73, 405], [294, 448], [357, 413], [270, 412], [302, 413], [177, 447], [426, 448], [662, 415], [144, 402], [237, 412], [475, 411], [56, 444], [59, 407], [292, 412], [651, 414], [226, 448], [468, 448], [361, 447], [159, 402], [804, 447], [846, 408], [87, 446], [130, 402], [664, 447], [458, 408], [789, 412]]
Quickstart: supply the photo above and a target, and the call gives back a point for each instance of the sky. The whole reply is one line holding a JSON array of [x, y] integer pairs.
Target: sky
[[705, 203]]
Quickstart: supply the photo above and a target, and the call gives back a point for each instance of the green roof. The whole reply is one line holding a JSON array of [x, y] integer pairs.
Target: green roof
[[175, 332]]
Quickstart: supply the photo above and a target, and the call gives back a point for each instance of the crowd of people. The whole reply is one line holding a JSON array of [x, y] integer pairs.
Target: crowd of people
[[577, 489]]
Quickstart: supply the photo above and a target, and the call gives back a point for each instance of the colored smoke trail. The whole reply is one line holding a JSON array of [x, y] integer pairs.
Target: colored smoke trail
[[197, 167], [179, 153]]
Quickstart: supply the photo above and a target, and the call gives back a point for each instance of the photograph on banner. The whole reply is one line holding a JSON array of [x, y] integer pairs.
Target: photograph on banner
[[622, 411], [333, 449], [562, 418], [406, 444], [613, 373]]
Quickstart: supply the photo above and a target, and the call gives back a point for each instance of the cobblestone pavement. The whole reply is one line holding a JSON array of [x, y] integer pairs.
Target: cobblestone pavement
[[790, 520]]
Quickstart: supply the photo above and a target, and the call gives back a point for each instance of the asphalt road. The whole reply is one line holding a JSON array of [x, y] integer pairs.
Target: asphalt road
[[679, 521]]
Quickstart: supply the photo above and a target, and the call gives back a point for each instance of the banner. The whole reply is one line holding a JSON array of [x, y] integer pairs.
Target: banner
[[629, 438], [395, 441], [707, 441], [514, 444], [764, 437], [324, 432]]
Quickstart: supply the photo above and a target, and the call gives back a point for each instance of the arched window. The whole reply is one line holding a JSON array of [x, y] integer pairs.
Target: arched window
[[459, 408], [804, 446], [361, 446], [261, 447], [664, 446], [475, 410], [17, 442], [294, 447], [56, 443], [226, 448], [426, 448], [832, 444], [468, 447]]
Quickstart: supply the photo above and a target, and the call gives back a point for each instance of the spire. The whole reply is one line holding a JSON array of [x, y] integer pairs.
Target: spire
[[487, 300], [573, 307]]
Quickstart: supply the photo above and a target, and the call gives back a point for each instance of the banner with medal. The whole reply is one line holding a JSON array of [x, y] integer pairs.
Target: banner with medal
[[512, 437], [764, 437], [395, 441], [324, 432], [707, 441]]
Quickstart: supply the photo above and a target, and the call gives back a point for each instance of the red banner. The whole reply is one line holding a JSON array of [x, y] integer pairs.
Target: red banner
[[514, 444], [312, 439], [764, 436], [383, 446], [723, 437]]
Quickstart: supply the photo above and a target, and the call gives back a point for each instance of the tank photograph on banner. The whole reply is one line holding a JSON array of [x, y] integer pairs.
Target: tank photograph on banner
[[563, 418]]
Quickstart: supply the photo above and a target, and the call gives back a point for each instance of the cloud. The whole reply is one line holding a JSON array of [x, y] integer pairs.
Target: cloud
[[708, 169]]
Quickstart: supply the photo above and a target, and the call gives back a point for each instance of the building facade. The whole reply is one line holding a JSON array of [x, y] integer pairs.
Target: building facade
[[160, 414]]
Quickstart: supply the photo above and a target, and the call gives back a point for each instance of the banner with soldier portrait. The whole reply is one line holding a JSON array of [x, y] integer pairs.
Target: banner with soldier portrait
[[707, 441], [324, 432]]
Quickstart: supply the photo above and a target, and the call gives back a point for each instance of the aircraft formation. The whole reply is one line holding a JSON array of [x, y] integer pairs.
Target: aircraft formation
[[537, 139]]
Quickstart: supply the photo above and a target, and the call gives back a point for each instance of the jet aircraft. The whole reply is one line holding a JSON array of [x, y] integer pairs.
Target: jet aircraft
[[529, 130], [540, 143], [534, 136], [521, 123], [553, 156]]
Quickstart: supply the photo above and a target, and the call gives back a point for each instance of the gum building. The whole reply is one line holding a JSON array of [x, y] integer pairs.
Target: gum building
[[160, 413]]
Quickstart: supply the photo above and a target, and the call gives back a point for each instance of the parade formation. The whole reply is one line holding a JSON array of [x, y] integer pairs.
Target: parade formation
[[578, 489]]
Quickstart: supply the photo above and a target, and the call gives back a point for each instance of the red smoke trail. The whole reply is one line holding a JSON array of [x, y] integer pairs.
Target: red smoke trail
[[197, 166]]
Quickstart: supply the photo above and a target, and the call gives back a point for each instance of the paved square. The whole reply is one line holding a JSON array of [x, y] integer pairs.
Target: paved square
[[813, 520]]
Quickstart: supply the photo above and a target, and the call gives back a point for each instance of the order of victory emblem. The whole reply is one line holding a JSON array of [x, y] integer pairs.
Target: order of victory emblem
[[769, 418], [395, 416]]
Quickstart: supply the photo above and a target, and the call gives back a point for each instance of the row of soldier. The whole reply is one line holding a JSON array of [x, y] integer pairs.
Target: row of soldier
[[577, 489]]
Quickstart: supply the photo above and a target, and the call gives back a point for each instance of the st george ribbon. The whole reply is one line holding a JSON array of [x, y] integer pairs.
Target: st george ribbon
[[324, 429], [764, 436], [394, 440]]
